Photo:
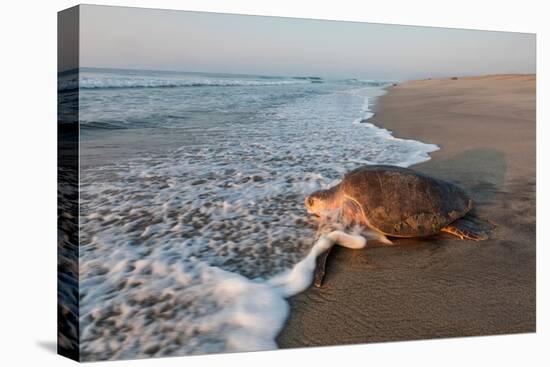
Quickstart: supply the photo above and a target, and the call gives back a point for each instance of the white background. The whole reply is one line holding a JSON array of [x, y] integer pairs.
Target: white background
[[28, 181]]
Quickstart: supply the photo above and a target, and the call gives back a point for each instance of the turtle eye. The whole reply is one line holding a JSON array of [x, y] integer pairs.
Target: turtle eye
[[310, 201]]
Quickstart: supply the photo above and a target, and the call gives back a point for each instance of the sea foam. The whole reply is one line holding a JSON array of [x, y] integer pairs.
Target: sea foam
[[300, 276]]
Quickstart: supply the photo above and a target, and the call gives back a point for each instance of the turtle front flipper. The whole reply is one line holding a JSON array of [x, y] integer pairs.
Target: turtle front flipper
[[320, 266], [351, 212], [351, 241], [469, 228]]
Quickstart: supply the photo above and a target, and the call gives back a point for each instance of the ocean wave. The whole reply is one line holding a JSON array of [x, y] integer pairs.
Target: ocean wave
[[67, 84], [367, 82], [312, 79], [110, 125], [120, 83]]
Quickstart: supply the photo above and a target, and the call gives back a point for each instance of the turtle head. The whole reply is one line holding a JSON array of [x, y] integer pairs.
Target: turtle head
[[318, 202]]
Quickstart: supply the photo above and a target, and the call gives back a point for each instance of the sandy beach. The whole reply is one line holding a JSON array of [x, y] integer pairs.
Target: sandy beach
[[442, 287]]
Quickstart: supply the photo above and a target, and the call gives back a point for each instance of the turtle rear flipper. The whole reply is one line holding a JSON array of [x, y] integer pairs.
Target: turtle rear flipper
[[470, 228]]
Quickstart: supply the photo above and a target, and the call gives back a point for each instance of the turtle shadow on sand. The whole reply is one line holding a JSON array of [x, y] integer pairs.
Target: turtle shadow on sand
[[480, 172], [437, 197]]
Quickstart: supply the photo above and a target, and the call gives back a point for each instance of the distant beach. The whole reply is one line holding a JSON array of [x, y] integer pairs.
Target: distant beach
[[442, 287]]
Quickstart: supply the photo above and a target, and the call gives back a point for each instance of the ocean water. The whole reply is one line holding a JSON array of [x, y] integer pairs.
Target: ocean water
[[193, 230]]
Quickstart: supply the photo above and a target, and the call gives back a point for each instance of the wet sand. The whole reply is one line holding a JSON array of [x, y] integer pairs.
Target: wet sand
[[442, 287]]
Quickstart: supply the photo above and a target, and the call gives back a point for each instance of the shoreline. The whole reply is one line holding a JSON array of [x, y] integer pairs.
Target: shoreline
[[442, 287]]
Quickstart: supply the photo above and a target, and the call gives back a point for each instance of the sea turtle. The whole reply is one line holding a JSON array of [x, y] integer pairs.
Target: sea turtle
[[397, 202]]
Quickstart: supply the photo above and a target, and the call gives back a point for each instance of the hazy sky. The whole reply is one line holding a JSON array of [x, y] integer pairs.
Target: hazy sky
[[121, 37]]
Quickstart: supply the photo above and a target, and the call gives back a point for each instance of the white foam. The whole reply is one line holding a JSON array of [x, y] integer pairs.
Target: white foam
[[365, 112], [233, 312], [300, 276], [258, 308]]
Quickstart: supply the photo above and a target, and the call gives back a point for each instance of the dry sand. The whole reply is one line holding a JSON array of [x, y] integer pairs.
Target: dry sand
[[442, 287]]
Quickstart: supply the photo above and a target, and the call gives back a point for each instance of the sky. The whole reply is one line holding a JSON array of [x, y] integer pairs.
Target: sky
[[151, 39]]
